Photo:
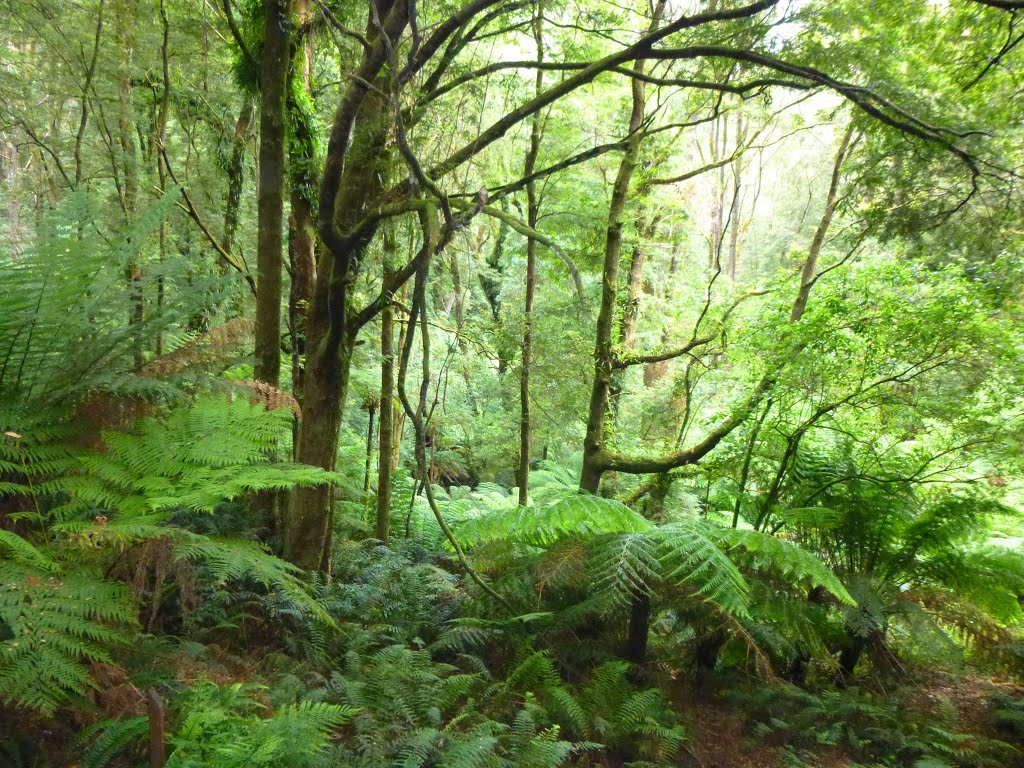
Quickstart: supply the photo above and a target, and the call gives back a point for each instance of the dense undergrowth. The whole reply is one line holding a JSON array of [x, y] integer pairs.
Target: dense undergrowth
[[136, 567]]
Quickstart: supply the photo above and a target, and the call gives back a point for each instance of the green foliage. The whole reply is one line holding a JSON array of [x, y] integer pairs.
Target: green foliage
[[54, 625], [105, 740], [796, 565], [222, 727], [874, 730], [198, 456], [1009, 714], [59, 326], [61, 615], [415, 711]]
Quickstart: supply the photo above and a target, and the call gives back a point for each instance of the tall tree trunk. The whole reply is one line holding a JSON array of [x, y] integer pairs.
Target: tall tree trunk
[[491, 284], [354, 172], [371, 410], [270, 215], [301, 222], [310, 511], [90, 73], [270, 210], [735, 226], [385, 460], [807, 276], [532, 212], [604, 352], [159, 135], [10, 167]]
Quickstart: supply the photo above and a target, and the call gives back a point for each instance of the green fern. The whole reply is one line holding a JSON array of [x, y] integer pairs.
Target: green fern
[[56, 625], [795, 564], [195, 458], [105, 740], [62, 329], [222, 727]]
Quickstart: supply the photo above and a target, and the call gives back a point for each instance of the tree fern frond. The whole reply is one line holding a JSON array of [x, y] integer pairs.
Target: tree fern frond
[[626, 565], [792, 561], [233, 559], [687, 554], [575, 515]]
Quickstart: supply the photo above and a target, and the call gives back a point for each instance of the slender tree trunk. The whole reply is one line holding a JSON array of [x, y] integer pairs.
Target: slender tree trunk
[[159, 136], [126, 19], [371, 410], [735, 226], [10, 167], [491, 284], [807, 278], [604, 351], [398, 414], [532, 213], [236, 176], [385, 460], [90, 73], [270, 211], [301, 222], [747, 458]]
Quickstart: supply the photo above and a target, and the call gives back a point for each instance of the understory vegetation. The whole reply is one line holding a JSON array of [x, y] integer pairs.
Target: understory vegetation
[[511, 383]]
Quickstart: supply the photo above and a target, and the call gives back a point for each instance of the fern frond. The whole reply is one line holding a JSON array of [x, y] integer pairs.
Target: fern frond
[[21, 551], [57, 624], [233, 559], [687, 554], [107, 739], [793, 562]]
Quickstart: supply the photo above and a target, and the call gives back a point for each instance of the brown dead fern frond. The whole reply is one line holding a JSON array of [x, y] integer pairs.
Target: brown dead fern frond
[[272, 397], [204, 351]]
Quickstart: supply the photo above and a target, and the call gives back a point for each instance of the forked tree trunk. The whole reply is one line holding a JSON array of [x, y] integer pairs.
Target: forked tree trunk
[[354, 172]]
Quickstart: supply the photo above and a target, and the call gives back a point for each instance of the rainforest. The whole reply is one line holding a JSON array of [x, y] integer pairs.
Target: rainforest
[[497, 383]]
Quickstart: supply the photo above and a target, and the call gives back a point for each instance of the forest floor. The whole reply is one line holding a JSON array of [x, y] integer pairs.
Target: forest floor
[[720, 735]]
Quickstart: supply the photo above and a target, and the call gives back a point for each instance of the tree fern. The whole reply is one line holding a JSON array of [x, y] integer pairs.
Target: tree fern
[[631, 552], [195, 458], [62, 328]]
